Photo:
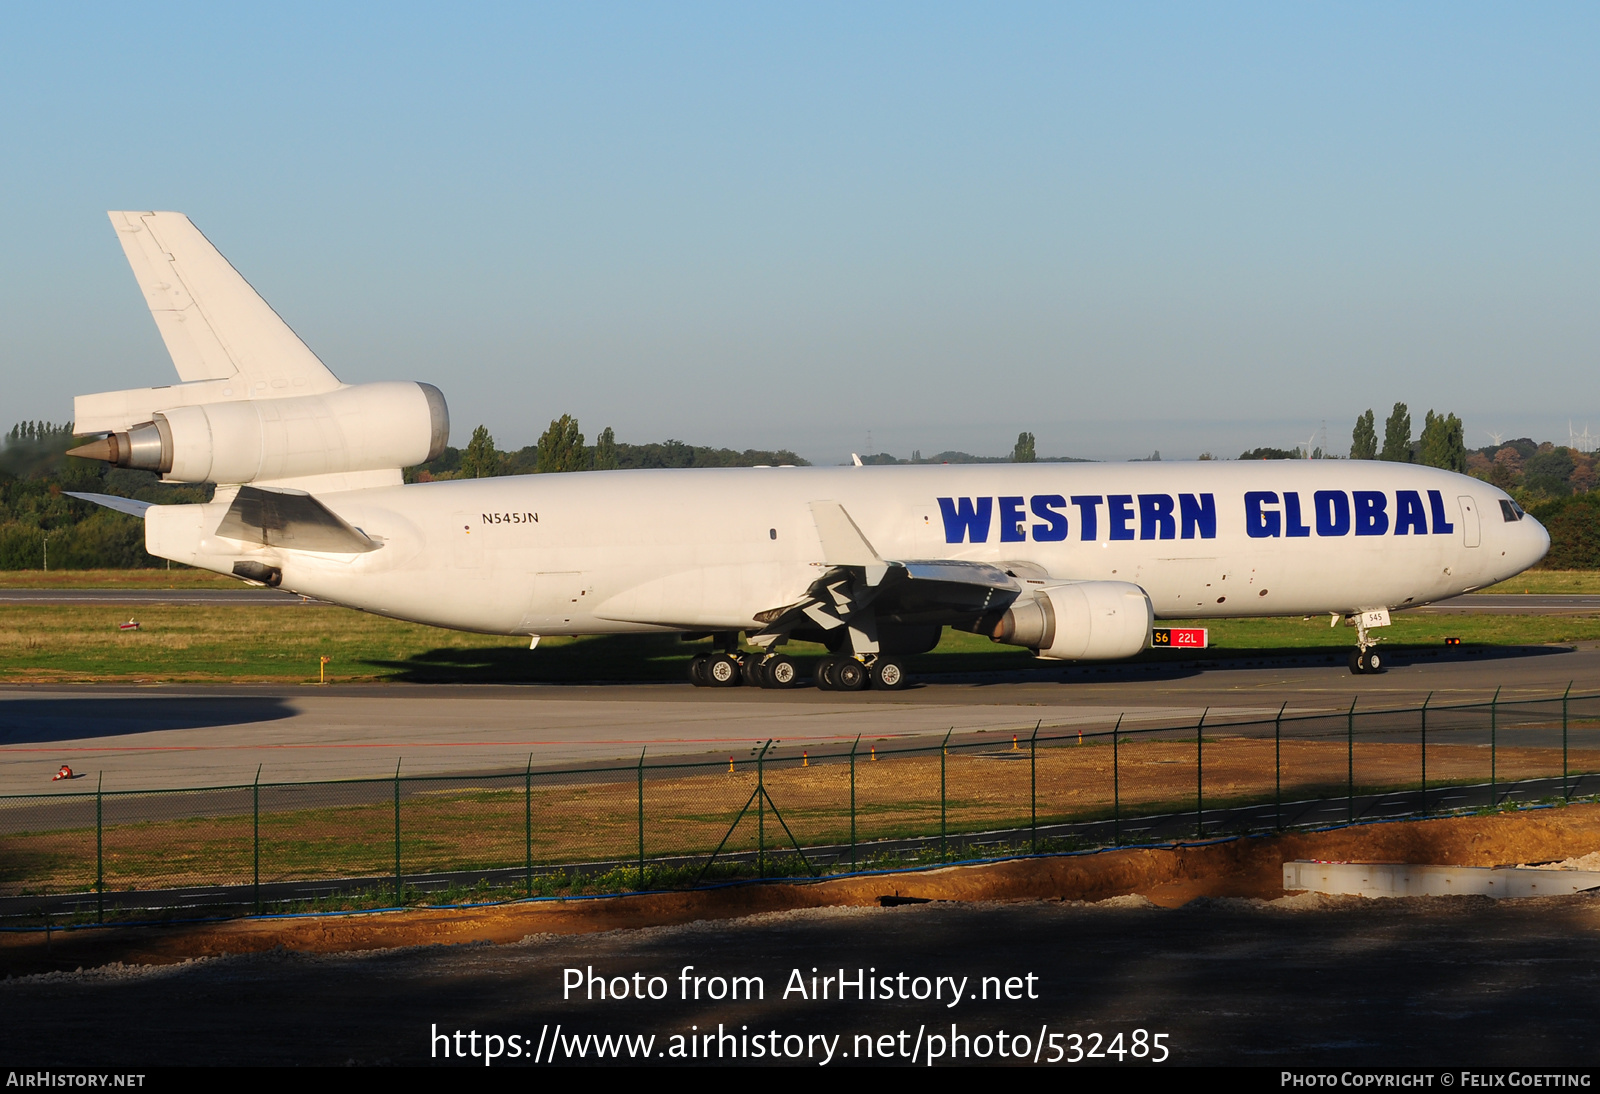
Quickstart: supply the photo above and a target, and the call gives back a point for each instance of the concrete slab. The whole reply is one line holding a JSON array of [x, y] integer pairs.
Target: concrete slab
[[1399, 879]]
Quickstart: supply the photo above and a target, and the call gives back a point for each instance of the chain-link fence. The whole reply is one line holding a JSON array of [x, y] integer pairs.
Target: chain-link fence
[[782, 811]]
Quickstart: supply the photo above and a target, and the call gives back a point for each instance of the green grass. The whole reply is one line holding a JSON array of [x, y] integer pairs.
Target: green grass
[[70, 643], [1550, 581]]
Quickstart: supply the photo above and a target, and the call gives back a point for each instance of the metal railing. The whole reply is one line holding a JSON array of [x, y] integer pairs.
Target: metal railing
[[784, 811]]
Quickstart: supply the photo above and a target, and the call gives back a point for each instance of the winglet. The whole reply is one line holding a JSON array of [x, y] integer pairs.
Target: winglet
[[843, 544]]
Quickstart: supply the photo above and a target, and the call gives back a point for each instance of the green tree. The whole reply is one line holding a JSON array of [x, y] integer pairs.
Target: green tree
[[1024, 451], [605, 451], [1364, 438], [1444, 442], [480, 460], [561, 447], [1397, 436]]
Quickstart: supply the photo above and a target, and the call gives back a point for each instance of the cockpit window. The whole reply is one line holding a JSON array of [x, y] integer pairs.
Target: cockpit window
[[1510, 510]]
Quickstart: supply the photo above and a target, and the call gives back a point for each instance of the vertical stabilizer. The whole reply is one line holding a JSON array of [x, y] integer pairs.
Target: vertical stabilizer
[[215, 325]]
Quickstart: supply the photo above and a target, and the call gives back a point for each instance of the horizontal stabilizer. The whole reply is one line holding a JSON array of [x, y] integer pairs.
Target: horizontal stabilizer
[[111, 501], [292, 520]]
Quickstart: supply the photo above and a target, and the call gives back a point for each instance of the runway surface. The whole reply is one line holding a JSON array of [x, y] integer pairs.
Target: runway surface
[[180, 735]]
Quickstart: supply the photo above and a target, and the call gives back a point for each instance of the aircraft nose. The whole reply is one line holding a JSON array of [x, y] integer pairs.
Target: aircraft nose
[[1536, 541]]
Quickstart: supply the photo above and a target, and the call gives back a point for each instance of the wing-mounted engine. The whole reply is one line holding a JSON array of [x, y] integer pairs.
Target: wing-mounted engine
[[1080, 621]]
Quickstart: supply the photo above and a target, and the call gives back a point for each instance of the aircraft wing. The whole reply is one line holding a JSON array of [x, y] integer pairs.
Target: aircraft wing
[[215, 325], [862, 590]]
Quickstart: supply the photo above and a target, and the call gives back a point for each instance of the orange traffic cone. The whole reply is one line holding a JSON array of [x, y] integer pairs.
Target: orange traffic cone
[[64, 773]]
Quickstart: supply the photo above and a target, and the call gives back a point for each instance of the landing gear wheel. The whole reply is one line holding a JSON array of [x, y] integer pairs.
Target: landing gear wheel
[[697, 670], [753, 669], [850, 674], [1365, 662], [889, 674], [779, 671], [722, 671], [824, 674]]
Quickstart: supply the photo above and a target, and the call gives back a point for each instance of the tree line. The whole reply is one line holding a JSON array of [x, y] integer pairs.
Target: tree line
[[562, 448]]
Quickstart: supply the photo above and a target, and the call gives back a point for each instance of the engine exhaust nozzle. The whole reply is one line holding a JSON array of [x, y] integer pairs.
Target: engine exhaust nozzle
[[146, 447]]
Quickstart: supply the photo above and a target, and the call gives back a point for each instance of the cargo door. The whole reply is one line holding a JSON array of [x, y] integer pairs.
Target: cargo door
[[1469, 520]]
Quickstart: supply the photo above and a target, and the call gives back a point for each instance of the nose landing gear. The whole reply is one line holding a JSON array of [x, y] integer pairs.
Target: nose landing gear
[[1365, 658]]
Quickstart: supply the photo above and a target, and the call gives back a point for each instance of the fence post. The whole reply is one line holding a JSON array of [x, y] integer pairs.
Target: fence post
[[1199, 776], [641, 817], [1494, 794], [761, 811], [1033, 787], [853, 748], [255, 835], [1566, 793], [1277, 767], [99, 851], [527, 829], [1116, 787], [1350, 764], [944, 750], [1425, 703], [397, 832]]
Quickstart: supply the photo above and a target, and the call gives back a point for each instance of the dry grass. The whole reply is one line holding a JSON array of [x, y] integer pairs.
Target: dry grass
[[688, 813]]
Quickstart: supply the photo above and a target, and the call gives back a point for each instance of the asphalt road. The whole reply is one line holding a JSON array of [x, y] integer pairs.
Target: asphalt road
[[184, 735]]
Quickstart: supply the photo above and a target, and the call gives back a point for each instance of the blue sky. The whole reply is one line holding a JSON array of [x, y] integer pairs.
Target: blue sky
[[1122, 227]]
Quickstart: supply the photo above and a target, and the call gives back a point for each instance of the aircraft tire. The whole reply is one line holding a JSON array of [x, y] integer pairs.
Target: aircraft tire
[[754, 670], [1375, 662], [697, 670], [824, 674], [889, 674], [722, 671], [780, 672], [850, 674]]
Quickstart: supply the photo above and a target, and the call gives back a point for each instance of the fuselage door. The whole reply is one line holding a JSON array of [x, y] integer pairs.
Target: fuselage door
[[1469, 520]]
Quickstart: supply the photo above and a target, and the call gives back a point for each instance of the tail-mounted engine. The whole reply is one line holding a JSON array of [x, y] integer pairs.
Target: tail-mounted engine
[[366, 427]]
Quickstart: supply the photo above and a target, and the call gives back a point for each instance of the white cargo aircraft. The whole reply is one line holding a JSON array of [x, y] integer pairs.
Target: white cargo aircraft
[[1073, 561]]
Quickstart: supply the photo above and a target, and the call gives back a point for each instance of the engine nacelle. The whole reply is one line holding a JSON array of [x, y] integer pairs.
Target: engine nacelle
[[367, 427], [1082, 621]]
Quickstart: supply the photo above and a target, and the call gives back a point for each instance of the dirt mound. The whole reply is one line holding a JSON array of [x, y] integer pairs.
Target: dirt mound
[[1170, 876]]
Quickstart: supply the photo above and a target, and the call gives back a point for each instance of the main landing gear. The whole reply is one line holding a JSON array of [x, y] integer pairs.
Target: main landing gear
[[729, 670], [779, 671], [853, 674]]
